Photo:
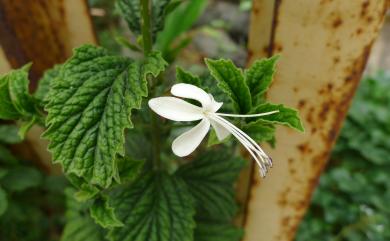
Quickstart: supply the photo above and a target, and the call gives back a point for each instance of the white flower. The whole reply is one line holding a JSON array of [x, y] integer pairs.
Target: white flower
[[179, 110]]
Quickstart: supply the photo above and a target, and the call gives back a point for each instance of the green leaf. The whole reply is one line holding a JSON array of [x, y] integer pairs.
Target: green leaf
[[179, 21], [21, 178], [9, 134], [15, 101], [259, 77], [186, 77], [213, 139], [89, 107], [85, 190], [210, 179], [3, 201], [260, 130], [18, 88], [207, 230], [44, 84], [231, 81], [79, 225], [286, 116], [154, 208], [130, 11], [103, 213]]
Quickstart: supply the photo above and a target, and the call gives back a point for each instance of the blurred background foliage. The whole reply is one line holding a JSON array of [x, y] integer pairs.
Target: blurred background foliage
[[352, 200]]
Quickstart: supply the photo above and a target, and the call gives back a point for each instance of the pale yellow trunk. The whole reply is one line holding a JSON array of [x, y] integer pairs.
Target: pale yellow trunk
[[324, 45]]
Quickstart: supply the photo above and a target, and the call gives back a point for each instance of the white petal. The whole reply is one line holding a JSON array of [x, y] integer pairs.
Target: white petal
[[214, 106], [175, 109], [192, 92], [220, 130], [187, 142]]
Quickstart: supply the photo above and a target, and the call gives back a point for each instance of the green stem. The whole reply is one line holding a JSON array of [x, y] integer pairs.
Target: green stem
[[146, 26], [147, 45]]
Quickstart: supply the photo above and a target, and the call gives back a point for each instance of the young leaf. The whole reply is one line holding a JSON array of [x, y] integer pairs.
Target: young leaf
[[231, 81], [79, 225], [259, 76], [154, 208], [210, 179], [89, 106], [3, 201], [260, 130], [85, 190], [179, 21], [183, 76], [103, 213], [286, 116], [15, 101], [210, 230]]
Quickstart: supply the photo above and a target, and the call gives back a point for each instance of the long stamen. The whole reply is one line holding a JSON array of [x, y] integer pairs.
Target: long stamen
[[264, 157], [246, 135], [243, 138], [247, 146], [269, 160], [250, 115]]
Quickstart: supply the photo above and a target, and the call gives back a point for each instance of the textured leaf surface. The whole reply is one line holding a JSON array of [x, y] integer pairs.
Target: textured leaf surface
[[259, 76], [44, 84], [155, 208], [231, 81], [89, 107], [103, 213], [210, 179], [286, 116], [130, 11], [79, 225]]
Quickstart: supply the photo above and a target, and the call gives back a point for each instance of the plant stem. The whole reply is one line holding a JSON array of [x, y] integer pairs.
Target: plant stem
[[146, 26], [147, 45]]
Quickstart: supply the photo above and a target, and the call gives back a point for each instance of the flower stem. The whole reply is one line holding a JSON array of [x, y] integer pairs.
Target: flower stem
[[147, 46]]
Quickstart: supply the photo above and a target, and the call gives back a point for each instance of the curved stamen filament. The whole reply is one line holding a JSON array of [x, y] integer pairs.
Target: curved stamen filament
[[243, 138], [250, 115], [258, 148]]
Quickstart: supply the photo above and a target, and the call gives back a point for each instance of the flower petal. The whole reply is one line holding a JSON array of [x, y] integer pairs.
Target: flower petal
[[175, 109], [187, 142], [220, 130], [192, 92]]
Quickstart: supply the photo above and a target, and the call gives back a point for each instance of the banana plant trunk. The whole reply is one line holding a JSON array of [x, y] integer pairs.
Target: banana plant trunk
[[324, 46], [43, 32]]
